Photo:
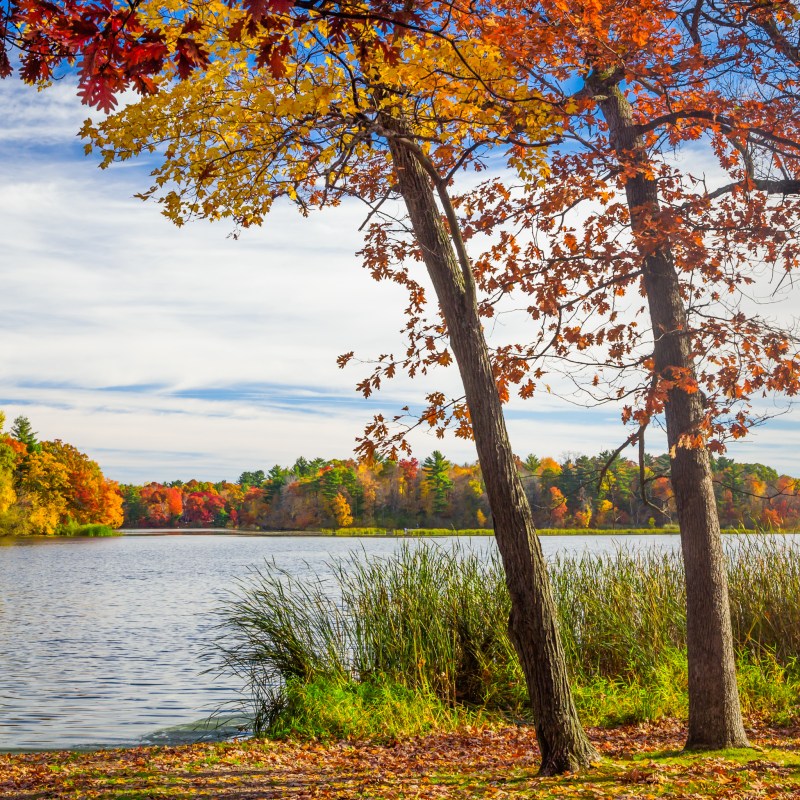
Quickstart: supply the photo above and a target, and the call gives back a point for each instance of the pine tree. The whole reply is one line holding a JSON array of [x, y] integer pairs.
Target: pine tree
[[22, 431]]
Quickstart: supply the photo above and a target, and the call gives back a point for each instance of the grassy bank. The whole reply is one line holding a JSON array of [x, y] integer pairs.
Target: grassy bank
[[419, 639], [436, 532], [68, 529], [90, 529], [639, 762]]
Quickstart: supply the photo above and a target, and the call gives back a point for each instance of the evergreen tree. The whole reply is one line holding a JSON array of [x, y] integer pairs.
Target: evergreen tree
[[248, 479], [22, 431], [436, 468]]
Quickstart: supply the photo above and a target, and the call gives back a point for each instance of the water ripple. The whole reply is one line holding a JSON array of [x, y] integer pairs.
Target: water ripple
[[102, 641]]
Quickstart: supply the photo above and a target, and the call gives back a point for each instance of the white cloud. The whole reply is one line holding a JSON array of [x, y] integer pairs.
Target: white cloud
[[222, 352], [46, 116]]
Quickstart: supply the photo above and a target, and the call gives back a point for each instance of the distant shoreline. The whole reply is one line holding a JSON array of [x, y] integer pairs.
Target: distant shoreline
[[414, 533], [410, 533]]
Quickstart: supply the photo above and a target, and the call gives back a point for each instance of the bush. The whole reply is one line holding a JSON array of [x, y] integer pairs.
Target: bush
[[89, 529]]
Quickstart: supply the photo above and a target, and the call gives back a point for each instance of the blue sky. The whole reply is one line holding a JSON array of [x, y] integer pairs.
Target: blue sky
[[170, 353]]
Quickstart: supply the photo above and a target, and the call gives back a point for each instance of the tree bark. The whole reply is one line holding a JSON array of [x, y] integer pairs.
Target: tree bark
[[533, 625], [715, 719]]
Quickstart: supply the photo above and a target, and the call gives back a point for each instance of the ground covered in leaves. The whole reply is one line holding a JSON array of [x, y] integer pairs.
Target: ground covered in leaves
[[641, 761]]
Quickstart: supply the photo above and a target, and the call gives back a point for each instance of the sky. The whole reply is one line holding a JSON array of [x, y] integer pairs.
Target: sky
[[174, 353]]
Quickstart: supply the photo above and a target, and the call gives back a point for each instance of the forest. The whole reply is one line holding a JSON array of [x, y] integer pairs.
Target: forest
[[577, 492], [51, 487]]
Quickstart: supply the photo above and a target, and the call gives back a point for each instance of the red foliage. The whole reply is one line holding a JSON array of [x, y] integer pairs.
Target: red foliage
[[202, 508], [112, 45], [410, 468]]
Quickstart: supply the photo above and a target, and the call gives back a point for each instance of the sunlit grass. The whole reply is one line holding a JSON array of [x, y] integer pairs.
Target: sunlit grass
[[426, 627]]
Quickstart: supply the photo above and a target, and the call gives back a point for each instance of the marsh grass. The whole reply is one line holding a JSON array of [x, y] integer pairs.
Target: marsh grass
[[72, 528], [420, 637], [437, 532], [370, 709]]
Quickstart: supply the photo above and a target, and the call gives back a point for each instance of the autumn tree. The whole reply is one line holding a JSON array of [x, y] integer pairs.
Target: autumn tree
[[340, 509], [160, 506], [253, 509], [46, 487], [621, 59], [7, 461], [203, 509], [328, 116], [42, 493], [90, 498], [634, 83]]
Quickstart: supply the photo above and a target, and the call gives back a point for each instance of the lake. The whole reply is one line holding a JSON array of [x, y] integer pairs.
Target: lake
[[103, 642]]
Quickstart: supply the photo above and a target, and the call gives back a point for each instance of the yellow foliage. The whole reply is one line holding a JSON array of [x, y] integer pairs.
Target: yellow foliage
[[549, 465], [7, 494], [44, 518], [341, 511], [43, 491], [476, 487], [110, 506], [583, 518], [233, 138]]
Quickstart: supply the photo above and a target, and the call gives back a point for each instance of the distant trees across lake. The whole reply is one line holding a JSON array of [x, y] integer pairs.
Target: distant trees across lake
[[51, 487], [576, 492]]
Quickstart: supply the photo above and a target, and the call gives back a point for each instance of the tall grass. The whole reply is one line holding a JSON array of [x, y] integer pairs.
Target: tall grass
[[431, 621], [764, 587], [73, 528]]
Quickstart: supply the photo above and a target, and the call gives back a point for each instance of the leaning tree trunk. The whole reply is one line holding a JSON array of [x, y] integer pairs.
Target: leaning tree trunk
[[533, 623], [715, 719]]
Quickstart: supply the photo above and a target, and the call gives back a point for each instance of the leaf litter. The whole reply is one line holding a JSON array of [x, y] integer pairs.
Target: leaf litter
[[639, 761]]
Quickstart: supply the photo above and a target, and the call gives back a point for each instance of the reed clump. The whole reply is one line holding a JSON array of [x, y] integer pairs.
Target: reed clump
[[425, 629], [73, 528]]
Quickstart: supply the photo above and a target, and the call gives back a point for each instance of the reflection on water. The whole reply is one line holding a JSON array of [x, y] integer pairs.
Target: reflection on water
[[104, 641]]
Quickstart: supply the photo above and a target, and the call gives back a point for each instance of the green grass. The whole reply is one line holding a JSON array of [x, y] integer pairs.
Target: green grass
[[89, 529], [608, 701], [435, 532], [376, 710], [427, 626]]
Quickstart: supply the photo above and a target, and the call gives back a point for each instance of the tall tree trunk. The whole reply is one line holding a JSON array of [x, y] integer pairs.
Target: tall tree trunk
[[533, 623], [715, 719]]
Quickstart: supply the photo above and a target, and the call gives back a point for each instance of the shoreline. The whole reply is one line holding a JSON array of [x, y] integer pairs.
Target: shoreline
[[412, 533], [424, 533]]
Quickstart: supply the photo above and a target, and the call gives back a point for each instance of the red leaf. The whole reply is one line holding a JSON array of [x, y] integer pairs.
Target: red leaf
[[189, 55], [96, 91], [257, 9], [235, 30], [192, 25]]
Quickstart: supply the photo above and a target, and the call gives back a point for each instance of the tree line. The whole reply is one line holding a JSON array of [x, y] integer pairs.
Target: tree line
[[51, 487], [577, 492]]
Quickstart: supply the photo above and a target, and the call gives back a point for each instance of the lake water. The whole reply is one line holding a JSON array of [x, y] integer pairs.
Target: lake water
[[103, 642]]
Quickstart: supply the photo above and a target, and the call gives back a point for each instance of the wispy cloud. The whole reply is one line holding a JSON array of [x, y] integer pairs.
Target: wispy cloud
[[33, 119], [172, 353]]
